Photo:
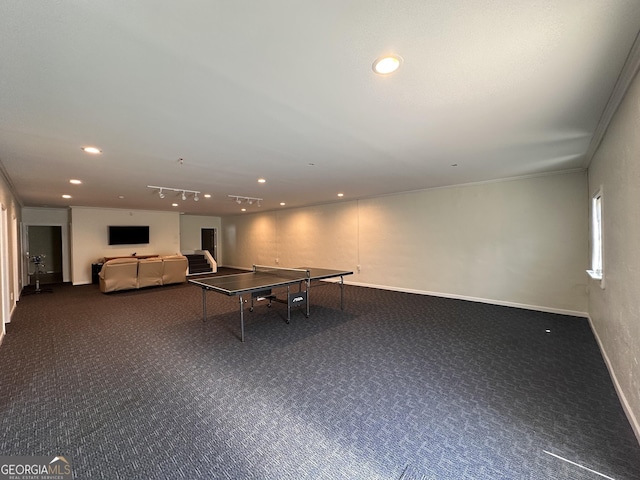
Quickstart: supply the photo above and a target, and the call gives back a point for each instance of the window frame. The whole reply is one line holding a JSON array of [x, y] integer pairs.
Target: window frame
[[597, 237]]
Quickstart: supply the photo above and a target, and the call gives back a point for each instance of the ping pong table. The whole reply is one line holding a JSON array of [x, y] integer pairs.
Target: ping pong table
[[260, 282]]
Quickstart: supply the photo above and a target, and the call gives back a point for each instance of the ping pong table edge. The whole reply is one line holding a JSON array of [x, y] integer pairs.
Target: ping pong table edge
[[313, 274]]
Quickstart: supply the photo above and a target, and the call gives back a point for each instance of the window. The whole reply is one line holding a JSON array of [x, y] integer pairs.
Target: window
[[597, 264]]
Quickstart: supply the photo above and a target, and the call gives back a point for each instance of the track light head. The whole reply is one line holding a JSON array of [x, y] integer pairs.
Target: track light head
[[161, 194], [196, 197], [184, 195]]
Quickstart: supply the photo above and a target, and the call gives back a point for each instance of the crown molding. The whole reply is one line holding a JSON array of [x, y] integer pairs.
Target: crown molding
[[627, 74]]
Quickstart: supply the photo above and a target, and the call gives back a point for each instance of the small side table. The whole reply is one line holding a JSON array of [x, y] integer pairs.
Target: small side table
[[95, 270]]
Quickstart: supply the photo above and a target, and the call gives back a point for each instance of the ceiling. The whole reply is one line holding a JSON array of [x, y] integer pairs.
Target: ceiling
[[211, 95]]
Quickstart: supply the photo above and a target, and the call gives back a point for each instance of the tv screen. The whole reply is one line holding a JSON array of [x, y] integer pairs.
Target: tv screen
[[128, 235]]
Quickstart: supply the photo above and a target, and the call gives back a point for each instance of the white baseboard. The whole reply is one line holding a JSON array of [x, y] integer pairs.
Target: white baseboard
[[635, 425], [539, 308]]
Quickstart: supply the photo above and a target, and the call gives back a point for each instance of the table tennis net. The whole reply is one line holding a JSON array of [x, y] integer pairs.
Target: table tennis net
[[293, 273]]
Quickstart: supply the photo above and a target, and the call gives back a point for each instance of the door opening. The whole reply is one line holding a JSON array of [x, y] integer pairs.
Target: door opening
[[46, 242], [209, 241]]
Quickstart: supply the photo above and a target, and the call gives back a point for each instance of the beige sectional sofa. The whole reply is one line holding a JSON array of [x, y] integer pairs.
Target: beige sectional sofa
[[130, 272]]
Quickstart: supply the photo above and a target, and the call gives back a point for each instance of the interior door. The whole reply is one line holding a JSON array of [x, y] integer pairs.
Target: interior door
[[209, 241]]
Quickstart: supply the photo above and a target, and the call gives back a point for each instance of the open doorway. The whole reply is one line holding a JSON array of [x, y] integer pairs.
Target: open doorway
[[209, 241], [45, 241]]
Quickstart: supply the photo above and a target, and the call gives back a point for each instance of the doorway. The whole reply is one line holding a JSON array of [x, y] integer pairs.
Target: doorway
[[46, 242], [209, 241]]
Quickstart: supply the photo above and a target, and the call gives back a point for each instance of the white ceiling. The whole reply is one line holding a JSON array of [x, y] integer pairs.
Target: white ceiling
[[285, 90]]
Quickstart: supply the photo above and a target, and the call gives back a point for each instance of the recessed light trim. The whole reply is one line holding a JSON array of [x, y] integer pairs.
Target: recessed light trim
[[207, 195], [75, 181], [341, 194], [174, 204], [387, 64], [92, 150], [66, 196], [282, 204], [262, 180]]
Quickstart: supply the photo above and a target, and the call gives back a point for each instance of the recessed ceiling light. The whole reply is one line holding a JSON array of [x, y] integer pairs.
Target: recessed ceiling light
[[387, 64], [282, 204], [75, 181], [341, 194], [93, 150], [120, 197], [262, 180], [174, 204], [243, 209], [207, 195], [66, 196]]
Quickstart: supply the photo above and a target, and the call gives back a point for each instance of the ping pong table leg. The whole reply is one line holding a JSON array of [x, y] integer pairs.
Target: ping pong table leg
[[288, 305], [241, 319], [307, 288], [204, 304]]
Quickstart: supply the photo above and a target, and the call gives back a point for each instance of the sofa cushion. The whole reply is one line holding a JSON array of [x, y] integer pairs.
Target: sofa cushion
[[174, 269], [119, 274], [117, 261], [150, 272]]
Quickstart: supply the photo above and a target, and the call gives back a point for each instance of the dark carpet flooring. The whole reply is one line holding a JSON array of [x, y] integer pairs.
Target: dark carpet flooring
[[134, 385]]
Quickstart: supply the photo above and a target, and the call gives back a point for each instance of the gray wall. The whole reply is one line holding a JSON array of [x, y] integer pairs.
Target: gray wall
[[615, 310], [521, 242]]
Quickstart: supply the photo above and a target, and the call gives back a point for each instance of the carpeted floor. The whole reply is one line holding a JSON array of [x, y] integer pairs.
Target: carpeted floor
[[134, 385]]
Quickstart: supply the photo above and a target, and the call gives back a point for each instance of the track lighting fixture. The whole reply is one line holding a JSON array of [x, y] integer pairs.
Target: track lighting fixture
[[185, 192], [249, 200]]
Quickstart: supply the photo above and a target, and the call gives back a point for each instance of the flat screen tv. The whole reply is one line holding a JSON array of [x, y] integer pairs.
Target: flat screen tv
[[128, 235]]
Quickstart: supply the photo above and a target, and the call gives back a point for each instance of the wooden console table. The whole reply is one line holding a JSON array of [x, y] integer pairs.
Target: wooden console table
[[106, 259]]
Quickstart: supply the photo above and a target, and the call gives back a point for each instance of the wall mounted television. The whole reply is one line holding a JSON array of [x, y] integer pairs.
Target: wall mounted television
[[128, 235]]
